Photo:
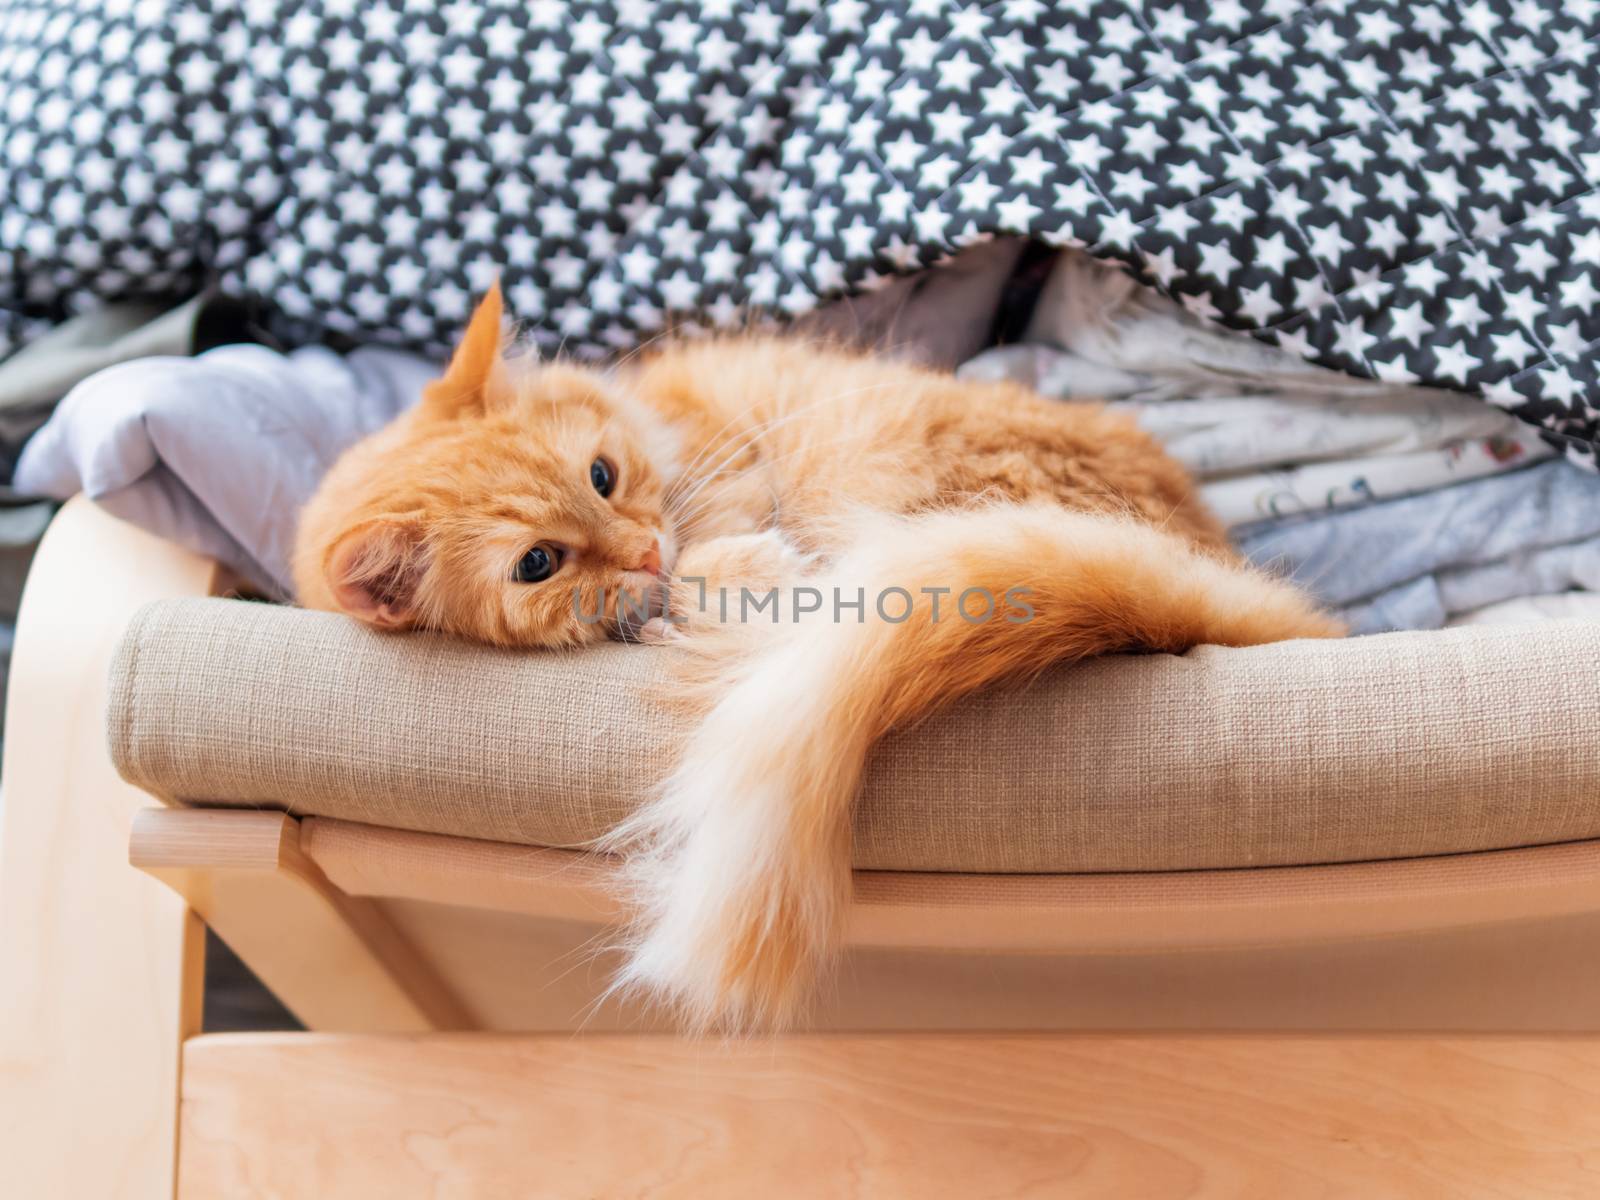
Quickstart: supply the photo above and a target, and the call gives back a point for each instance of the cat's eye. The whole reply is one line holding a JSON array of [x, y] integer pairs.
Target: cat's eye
[[603, 475], [538, 564]]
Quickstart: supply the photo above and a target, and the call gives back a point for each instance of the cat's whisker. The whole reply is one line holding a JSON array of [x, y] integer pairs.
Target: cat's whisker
[[711, 443], [686, 474], [778, 420], [682, 517], [686, 477], [764, 465], [670, 331], [768, 426]]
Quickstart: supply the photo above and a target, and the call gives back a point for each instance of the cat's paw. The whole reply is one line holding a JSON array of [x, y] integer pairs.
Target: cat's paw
[[712, 577], [766, 558], [658, 631]]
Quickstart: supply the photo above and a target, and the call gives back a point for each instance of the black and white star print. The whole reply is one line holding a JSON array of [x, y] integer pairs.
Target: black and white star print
[[1402, 190]]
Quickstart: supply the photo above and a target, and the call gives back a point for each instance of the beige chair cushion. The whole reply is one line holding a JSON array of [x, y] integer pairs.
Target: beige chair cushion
[[1307, 752]]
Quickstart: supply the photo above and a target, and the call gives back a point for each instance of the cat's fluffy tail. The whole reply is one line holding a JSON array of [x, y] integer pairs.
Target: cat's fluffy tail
[[741, 862]]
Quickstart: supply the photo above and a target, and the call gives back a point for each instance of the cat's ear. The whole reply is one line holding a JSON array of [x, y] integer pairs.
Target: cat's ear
[[375, 572], [476, 365]]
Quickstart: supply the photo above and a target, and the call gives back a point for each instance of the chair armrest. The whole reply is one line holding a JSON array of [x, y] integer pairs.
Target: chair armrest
[[98, 963]]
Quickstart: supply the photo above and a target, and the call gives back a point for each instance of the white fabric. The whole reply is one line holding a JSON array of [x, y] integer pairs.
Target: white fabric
[[1339, 483], [1525, 610]]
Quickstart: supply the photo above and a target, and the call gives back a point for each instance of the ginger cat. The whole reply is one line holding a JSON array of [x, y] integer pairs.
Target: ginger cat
[[516, 498]]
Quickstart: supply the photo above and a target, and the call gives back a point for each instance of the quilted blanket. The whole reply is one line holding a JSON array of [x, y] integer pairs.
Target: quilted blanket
[[1400, 190]]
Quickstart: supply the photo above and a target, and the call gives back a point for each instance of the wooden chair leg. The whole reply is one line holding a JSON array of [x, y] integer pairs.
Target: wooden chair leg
[[100, 966], [335, 961]]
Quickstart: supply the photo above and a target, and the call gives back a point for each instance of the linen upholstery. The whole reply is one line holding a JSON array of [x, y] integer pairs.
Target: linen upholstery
[[1392, 746]]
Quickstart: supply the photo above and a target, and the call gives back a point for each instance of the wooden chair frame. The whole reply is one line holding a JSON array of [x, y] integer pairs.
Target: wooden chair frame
[[1461, 1086]]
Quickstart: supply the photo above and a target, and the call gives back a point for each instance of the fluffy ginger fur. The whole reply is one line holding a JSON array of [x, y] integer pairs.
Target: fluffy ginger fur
[[763, 463]]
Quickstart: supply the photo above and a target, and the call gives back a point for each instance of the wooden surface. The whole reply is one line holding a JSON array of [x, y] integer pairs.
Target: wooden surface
[[524, 974], [1123, 1118], [100, 966], [336, 962], [1146, 912], [1505, 941]]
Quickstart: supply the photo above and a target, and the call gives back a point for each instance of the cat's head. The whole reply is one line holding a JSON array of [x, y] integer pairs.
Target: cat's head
[[501, 508]]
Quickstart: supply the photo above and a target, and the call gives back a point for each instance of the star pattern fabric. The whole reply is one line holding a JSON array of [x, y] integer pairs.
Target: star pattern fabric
[[1401, 190]]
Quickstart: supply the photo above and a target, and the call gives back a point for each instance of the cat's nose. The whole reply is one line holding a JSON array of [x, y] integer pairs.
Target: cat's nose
[[651, 562]]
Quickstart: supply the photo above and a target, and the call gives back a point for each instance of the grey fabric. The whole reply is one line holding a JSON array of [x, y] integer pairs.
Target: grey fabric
[[32, 381], [1393, 746], [37, 376], [1413, 563], [938, 318], [45, 369], [219, 452]]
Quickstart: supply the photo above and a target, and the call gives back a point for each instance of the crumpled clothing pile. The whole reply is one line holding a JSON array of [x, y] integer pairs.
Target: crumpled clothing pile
[[1401, 507]]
